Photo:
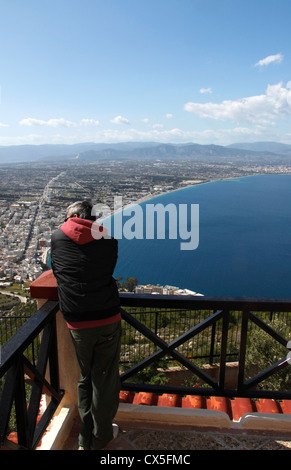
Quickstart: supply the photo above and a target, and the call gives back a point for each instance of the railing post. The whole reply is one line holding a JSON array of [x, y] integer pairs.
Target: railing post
[[24, 439], [54, 359], [45, 288], [242, 351], [225, 320], [211, 354]]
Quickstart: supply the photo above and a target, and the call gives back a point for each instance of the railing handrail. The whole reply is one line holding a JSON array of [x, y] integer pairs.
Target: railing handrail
[[15, 365], [205, 302], [26, 333]]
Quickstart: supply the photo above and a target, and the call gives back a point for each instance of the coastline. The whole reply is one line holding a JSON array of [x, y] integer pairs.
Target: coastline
[[151, 196]]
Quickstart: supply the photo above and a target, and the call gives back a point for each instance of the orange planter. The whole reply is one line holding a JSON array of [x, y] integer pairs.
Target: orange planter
[[267, 405], [241, 406], [193, 401], [169, 400], [126, 396], [219, 404], [144, 398], [286, 406]]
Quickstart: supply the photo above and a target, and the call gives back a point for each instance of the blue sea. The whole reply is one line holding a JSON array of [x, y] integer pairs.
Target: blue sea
[[244, 241]]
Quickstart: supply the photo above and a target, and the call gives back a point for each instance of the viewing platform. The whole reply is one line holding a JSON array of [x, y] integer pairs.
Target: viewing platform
[[224, 411]]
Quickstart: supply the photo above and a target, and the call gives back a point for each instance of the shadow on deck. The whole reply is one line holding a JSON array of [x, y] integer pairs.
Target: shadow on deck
[[145, 437]]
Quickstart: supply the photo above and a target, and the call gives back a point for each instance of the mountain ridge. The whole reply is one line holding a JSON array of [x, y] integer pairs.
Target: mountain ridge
[[89, 151]]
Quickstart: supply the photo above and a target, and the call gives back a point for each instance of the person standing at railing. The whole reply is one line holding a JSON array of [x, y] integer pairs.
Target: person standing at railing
[[83, 265]]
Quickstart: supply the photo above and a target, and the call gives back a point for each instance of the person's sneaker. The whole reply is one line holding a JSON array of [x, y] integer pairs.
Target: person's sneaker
[[115, 430]]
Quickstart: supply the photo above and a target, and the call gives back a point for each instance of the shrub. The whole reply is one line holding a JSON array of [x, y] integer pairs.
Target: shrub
[[263, 351]]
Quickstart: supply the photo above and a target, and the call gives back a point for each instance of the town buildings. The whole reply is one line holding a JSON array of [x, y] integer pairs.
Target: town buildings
[[34, 197]]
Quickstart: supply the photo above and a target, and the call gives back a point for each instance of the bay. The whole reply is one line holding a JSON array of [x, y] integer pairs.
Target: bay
[[244, 241]]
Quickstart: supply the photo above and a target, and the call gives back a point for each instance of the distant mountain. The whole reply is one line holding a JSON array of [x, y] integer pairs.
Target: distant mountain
[[274, 147], [263, 152], [197, 152], [29, 153]]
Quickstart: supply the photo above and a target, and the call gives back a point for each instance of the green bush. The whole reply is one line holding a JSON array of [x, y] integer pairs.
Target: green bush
[[263, 351], [153, 374]]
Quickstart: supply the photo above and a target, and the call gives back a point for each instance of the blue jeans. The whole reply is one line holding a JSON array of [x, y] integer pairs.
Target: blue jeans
[[98, 353]]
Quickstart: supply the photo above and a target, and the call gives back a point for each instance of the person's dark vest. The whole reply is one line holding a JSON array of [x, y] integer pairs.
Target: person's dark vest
[[83, 267]]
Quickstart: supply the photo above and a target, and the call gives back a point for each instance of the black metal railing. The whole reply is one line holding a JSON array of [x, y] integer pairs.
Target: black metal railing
[[219, 314], [20, 398], [10, 323], [220, 310], [169, 323]]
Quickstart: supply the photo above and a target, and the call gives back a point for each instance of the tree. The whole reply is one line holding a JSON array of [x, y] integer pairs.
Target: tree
[[128, 286]]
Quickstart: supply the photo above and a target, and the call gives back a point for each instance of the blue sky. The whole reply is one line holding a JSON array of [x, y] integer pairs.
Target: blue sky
[[205, 71]]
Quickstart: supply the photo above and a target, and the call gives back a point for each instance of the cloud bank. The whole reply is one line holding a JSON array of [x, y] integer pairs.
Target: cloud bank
[[249, 118], [274, 104]]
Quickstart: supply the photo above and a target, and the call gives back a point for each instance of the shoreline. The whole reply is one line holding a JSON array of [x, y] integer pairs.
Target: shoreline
[[150, 196]]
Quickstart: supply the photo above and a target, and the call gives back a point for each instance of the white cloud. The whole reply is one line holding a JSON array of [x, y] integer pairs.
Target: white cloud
[[276, 103], [89, 122], [58, 122], [205, 90], [3, 125], [169, 116], [276, 58], [50, 122], [120, 120], [31, 122]]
